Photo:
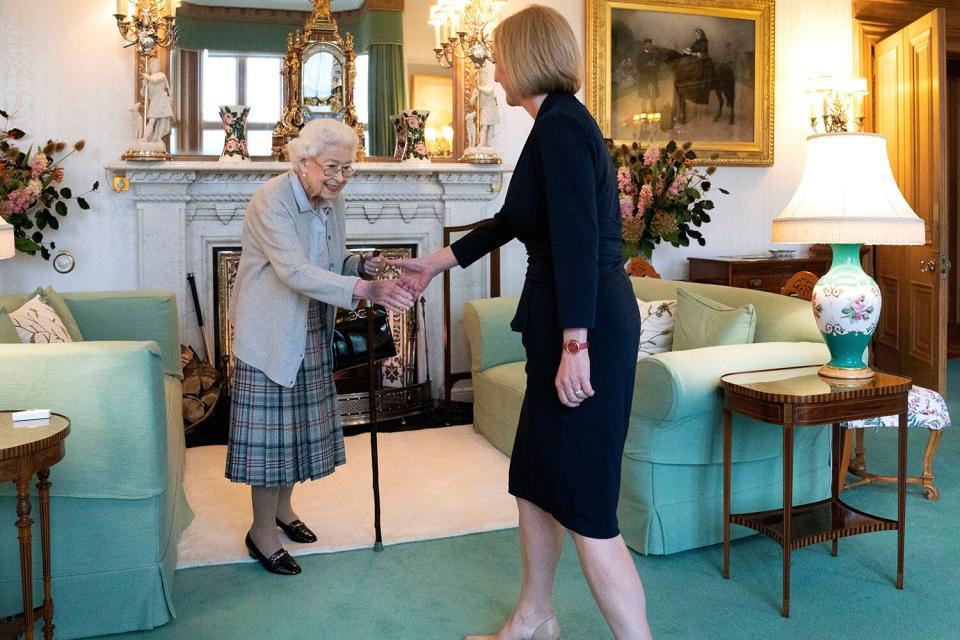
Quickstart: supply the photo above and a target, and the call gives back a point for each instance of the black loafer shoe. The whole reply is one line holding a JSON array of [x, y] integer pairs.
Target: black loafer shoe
[[297, 531], [281, 562]]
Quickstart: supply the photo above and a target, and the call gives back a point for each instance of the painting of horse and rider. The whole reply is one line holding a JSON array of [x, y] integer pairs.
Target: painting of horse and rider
[[704, 74]]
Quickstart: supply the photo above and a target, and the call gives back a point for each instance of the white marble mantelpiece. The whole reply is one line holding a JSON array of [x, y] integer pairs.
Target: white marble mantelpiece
[[184, 209]]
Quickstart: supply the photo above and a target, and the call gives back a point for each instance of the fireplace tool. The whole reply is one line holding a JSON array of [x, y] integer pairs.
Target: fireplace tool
[[202, 383]]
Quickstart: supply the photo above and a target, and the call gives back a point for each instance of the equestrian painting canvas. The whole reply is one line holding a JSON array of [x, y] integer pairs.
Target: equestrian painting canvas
[[687, 71]]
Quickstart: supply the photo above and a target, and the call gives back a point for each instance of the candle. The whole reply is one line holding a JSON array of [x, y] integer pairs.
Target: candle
[[436, 35], [123, 7]]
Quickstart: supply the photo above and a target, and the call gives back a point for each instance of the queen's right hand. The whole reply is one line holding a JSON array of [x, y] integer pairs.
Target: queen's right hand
[[389, 293]]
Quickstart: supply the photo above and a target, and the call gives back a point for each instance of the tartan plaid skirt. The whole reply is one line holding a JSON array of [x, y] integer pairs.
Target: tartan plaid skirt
[[278, 435]]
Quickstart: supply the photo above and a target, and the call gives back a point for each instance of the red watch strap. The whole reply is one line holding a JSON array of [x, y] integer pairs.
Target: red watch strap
[[574, 347]]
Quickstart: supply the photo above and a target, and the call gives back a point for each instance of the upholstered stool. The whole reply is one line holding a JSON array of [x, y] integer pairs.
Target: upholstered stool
[[927, 410]]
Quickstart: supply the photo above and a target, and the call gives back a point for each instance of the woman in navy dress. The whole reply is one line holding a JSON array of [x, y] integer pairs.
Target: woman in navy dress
[[580, 326]]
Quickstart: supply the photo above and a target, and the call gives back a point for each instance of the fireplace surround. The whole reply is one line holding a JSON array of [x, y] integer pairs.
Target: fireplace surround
[[184, 210]]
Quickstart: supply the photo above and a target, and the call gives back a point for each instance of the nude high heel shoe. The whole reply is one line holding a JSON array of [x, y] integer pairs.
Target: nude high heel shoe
[[549, 629]]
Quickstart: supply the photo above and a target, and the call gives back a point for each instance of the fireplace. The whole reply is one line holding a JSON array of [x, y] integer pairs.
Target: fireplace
[[183, 210], [399, 392]]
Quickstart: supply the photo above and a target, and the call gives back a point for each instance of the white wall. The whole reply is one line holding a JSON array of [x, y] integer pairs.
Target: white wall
[[79, 84]]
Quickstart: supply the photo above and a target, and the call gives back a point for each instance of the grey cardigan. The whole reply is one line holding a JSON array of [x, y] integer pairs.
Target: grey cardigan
[[276, 280]]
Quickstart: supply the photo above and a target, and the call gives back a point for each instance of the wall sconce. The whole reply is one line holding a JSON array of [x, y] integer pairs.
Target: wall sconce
[[836, 107], [150, 26]]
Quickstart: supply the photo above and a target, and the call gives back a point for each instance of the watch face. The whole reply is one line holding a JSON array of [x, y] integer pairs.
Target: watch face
[[64, 262], [572, 346]]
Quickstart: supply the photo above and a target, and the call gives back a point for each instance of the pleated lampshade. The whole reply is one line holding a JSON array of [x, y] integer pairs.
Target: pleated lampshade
[[847, 195]]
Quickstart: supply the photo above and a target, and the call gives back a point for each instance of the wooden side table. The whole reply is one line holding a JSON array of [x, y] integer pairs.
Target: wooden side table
[[799, 397], [762, 273], [24, 452]]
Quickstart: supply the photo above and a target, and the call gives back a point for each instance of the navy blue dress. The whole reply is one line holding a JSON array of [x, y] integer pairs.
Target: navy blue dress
[[562, 205]]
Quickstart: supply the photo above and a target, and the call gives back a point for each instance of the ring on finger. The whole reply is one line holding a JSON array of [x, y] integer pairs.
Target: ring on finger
[[579, 393]]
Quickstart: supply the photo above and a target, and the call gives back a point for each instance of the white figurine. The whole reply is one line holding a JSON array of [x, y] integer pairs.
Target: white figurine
[[136, 119], [158, 104], [489, 113], [471, 129]]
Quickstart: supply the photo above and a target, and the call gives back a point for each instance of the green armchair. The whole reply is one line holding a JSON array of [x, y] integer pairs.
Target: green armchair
[[117, 506], [671, 487]]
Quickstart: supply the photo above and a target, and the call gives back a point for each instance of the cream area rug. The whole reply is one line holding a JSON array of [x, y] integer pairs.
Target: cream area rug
[[434, 483]]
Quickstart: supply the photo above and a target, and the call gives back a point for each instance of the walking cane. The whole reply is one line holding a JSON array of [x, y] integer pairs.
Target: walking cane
[[372, 399]]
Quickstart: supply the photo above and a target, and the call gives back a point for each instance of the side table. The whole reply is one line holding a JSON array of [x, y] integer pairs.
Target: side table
[[799, 397], [24, 452]]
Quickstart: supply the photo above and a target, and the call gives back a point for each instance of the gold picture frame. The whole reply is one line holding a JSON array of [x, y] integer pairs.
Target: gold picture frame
[[651, 61]]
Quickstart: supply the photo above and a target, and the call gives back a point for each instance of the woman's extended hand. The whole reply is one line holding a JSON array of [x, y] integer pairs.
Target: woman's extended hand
[[573, 379], [389, 293], [416, 274]]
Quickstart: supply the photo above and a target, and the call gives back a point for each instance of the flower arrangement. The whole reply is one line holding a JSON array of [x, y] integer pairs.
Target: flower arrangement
[[31, 197], [662, 197]]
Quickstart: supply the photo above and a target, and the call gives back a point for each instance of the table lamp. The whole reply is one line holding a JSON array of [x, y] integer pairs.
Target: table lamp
[[7, 246], [847, 197]]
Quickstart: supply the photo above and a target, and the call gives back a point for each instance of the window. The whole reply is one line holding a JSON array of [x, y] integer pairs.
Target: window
[[248, 79]]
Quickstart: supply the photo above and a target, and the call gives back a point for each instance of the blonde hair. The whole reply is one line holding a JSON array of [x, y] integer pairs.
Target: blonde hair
[[538, 53], [319, 135]]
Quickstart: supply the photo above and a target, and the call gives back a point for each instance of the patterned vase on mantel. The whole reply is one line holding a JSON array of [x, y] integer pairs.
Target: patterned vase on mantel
[[400, 129], [234, 118], [415, 149]]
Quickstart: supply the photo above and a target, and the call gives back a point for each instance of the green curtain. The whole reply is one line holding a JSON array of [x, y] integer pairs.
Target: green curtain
[[386, 95]]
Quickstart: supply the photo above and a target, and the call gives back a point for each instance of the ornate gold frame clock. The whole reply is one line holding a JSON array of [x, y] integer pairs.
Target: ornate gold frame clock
[[318, 77]]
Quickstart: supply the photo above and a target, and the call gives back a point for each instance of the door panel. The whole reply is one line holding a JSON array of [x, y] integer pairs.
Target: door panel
[[910, 68]]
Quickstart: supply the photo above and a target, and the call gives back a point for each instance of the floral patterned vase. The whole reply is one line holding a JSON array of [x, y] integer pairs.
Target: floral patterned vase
[[415, 149], [234, 118], [399, 123], [846, 303]]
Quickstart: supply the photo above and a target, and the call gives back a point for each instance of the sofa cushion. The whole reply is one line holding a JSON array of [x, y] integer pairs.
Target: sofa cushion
[[779, 318], [703, 322], [8, 332], [657, 319], [44, 318]]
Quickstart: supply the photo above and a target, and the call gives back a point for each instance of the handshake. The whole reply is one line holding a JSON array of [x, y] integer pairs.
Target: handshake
[[395, 294]]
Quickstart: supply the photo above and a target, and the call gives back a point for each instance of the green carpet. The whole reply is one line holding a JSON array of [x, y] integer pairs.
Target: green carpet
[[445, 588]]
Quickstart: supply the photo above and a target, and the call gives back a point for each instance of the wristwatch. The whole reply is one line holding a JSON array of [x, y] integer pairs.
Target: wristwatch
[[573, 347]]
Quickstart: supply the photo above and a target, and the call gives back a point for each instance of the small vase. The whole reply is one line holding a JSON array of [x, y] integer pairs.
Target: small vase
[[400, 128], [415, 148], [234, 118]]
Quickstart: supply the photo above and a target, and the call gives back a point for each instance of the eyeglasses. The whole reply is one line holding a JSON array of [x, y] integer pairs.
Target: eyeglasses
[[332, 170]]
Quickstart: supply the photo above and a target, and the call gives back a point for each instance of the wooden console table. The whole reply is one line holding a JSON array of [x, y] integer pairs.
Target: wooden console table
[[799, 397], [753, 272], [24, 452]]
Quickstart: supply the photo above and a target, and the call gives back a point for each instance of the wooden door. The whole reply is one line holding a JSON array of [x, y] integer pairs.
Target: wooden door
[[910, 101]]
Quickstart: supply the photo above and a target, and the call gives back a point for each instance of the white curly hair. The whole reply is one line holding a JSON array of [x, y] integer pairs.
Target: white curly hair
[[319, 135]]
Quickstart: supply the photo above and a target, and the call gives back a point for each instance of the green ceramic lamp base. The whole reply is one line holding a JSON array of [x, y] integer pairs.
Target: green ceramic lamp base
[[846, 304]]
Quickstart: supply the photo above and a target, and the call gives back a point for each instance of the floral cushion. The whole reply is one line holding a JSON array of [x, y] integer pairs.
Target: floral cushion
[[656, 327], [926, 408], [37, 321]]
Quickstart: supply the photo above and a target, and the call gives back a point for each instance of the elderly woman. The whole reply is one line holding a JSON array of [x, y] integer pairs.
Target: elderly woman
[[562, 205], [294, 271]]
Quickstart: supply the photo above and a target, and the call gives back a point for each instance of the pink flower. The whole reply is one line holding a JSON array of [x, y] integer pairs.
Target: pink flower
[[679, 184], [624, 180], [412, 122], [229, 118], [38, 164], [421, 149], [22, 199], [651, 155], [626, 206], [644, 199], [231, 145]]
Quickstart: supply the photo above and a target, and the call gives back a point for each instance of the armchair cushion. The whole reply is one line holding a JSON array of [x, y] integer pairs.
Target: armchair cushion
[[703, 322], [487, 325]]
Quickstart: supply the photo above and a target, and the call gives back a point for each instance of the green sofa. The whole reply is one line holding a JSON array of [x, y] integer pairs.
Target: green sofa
[[671, 487], [117, 506]]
